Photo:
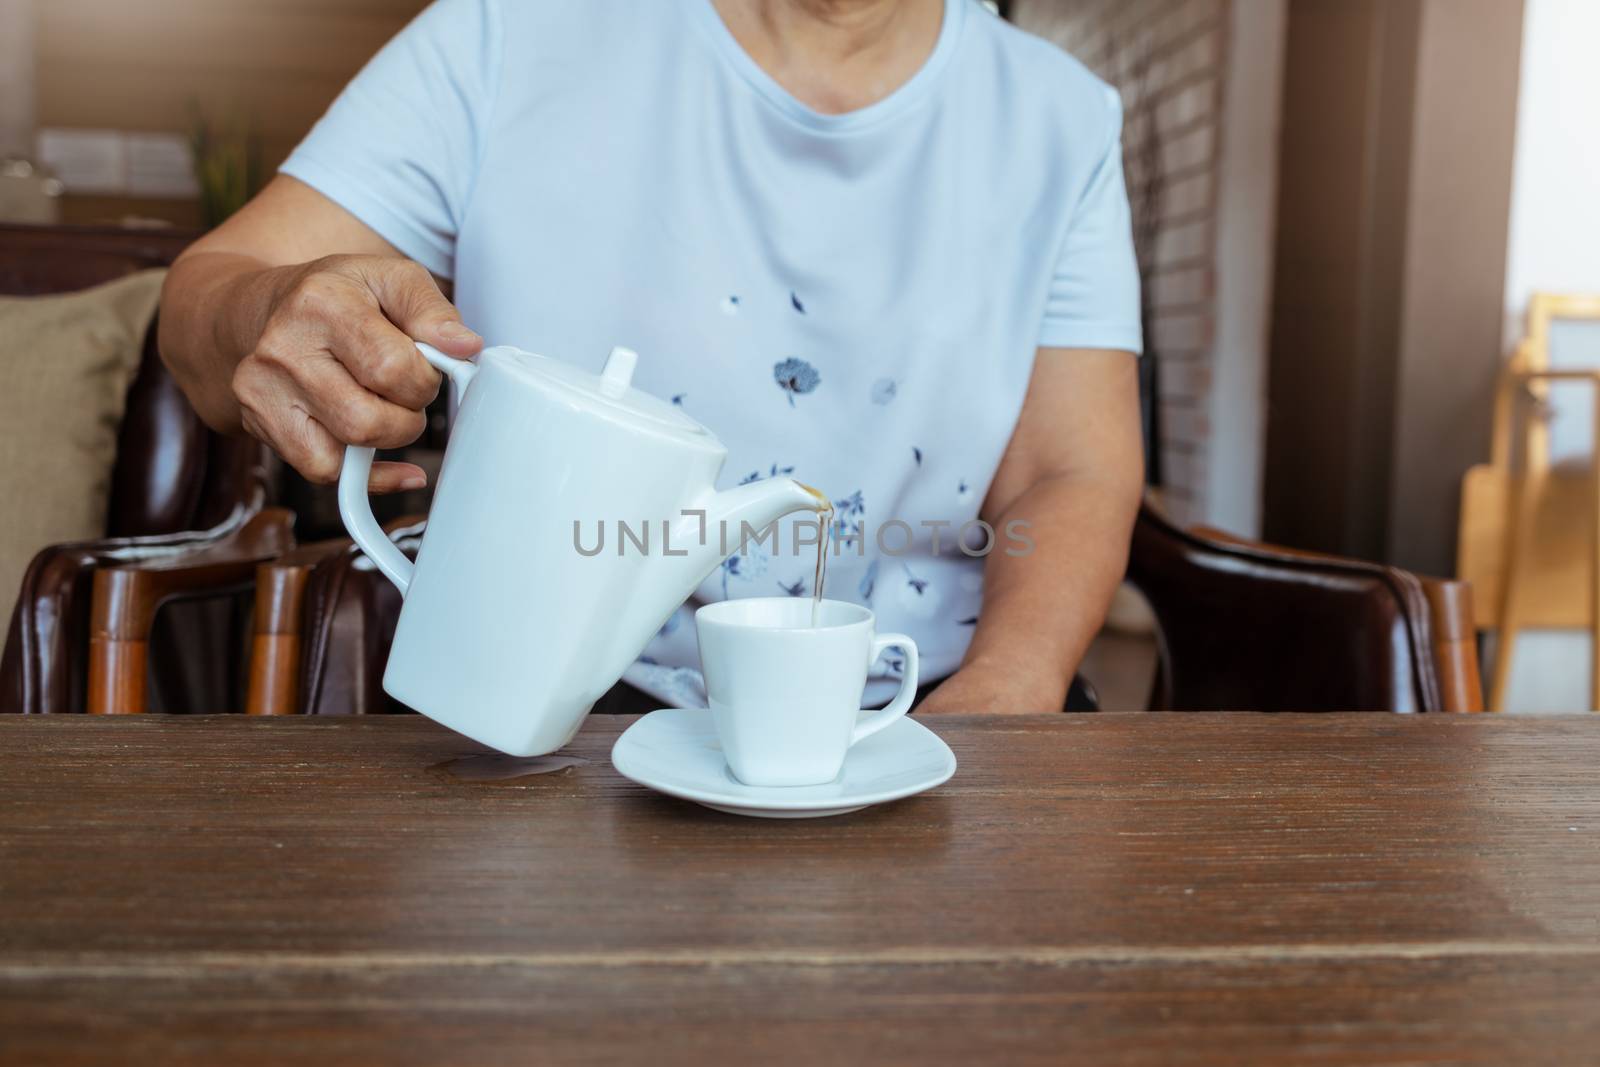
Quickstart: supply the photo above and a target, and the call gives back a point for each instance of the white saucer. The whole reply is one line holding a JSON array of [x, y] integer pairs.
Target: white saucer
[[675, 751]]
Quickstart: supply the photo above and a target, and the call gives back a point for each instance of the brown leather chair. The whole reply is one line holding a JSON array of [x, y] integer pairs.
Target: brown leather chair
[[183, 527], [1246, 626]]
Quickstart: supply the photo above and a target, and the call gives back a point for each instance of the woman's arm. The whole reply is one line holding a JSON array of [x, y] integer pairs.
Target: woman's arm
[[1074, 473]]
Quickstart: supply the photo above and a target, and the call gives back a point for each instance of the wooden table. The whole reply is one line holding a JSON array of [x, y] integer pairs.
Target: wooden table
[[1118, 888]]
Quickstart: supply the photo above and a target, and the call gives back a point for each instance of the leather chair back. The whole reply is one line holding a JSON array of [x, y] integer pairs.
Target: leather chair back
[[349, 612], [1244, 626]]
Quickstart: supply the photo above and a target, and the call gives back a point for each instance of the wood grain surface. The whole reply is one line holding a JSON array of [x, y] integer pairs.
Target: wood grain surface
[[1116, 888]]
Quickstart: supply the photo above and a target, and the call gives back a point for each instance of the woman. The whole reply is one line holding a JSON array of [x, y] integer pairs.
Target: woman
[[882, 244]]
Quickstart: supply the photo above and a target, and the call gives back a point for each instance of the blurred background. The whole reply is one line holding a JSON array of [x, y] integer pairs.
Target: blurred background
[[1344, 211]]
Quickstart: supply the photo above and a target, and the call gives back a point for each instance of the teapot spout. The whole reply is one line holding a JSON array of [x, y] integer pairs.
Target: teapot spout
[[748, 508], [731, 516]]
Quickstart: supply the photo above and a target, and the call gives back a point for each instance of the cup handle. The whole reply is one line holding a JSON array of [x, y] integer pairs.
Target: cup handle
[[355, 507], [901, 703]]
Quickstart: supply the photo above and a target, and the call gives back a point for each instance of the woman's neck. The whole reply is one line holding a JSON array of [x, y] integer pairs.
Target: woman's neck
[[836, 56]]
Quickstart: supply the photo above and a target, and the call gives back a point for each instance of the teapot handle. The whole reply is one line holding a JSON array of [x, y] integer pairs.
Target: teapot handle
[[355, 507]]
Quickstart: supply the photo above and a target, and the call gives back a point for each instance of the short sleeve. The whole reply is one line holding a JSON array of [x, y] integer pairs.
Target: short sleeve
[[401, 146], [1094, 294]]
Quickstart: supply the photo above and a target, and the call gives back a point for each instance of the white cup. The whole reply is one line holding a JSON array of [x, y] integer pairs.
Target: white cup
[[786, 696]]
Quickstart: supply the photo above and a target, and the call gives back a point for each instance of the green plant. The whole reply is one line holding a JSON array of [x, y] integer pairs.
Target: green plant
[[227, 165]]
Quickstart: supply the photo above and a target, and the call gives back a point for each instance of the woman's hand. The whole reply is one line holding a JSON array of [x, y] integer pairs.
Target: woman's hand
[[335, 363]]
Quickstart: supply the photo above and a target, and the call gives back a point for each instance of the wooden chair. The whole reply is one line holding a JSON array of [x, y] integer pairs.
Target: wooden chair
[[1247, 626], [185, 528], [323, 623], [1529, 537], [130, 590]]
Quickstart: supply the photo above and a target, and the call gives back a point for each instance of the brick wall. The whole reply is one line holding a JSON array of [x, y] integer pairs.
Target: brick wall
[[1167, 57]]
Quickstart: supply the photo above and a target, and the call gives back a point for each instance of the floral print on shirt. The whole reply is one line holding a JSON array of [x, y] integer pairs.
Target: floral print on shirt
[[796, 377], [849, 519]]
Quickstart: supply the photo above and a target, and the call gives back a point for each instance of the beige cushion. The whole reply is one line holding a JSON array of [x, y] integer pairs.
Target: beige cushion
[[65, 366]]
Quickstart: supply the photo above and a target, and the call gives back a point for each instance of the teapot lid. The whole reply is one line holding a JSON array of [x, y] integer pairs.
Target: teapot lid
[[610, 393]]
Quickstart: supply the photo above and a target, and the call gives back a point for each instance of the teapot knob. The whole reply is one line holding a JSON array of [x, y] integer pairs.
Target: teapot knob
[[618, 372]]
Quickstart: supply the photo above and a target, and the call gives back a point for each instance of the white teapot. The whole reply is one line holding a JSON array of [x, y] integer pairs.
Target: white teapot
[[509, 632]]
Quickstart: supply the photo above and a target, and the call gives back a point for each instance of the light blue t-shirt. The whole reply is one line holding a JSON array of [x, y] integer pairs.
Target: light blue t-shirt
[[852, 299]]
